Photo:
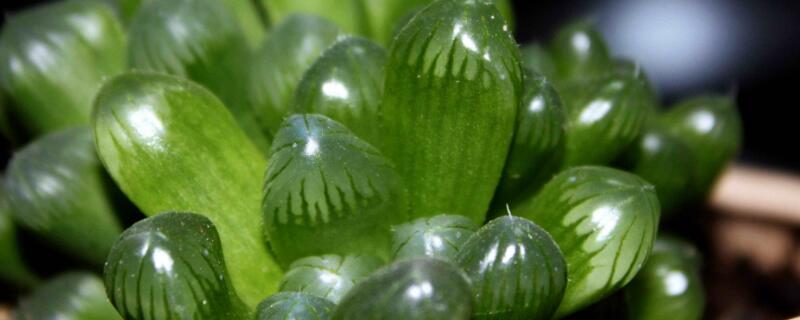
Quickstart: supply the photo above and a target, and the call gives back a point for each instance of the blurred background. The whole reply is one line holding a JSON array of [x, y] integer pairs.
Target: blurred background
[[747, 48]]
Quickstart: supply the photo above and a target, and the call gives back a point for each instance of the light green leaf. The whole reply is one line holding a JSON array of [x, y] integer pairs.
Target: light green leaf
[[580, 51], [70, 296], [440, 236], [12, 268], [329, 276], [294, 305]]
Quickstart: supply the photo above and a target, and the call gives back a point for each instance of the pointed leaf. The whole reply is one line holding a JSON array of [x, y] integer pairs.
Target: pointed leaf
[[280, 63], [426, 288], [327, 191], [199, 40], [516, 268], [170, 267], [538, 145], [172, 146], [669, 285], [710, 126], [57, 189], [329, 276], [452, 87], [440, 236], [604, 220], [12, 268], [59, 52], [346, 84], [296, 306], [70, 296], [579, 50]]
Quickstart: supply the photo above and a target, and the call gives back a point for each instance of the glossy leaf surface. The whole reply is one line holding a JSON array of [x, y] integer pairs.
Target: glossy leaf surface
[[57, 189], [12, 267], [538, 145], [604, 220], [669, 285], [711, 127], [452, 89], [172, 146], [279, 65], [441, 236], [346, 84], [295, 306], [665, 161], [199, 40], [53, 59], [70, 296], [327, 191], [604, 116], [536, 58], [516, 268], [426, 288], [328, 276], [579, 50]]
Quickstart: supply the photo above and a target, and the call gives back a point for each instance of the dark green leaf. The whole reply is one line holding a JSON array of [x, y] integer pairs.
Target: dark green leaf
[[70, 296], [451, 96], [669, 285], [172, 146], [346, 84], [711, 128], [579, 50], [537, 58], [439, 236], [426, 288], [280, 63], [170, 267], [294, 306], [55, 56], [604, 220], [57, 189], [538, 145], [199, 40], [327, 191], [12, 268], [516, 268], [329, 276]]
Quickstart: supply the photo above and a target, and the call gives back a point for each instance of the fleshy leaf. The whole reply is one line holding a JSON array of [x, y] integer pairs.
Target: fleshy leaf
[[170, 267], [579, 50], [346, 84], [199, 40], [451, 94], [172, 146], [70, 296], [249, 15], [604, 220], [279, 65], [328, 276], [12, 268], [516, 268], [425, 288], [440, 236], [327, 191], [295, 306], [669, 285], [53, 59], [57, 188], [538, 145], [538, 59], [710, 126]]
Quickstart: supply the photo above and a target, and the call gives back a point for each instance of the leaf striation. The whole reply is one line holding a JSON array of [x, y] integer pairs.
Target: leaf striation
[[295, 306], [441, 236], [73, 295], [329, 276]]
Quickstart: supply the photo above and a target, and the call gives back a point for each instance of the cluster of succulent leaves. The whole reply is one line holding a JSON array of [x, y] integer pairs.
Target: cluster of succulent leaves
[[322, 159]]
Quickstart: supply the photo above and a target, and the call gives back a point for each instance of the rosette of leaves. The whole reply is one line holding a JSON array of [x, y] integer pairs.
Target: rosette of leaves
[[441, 236], [329, 276], [279, 64], [424, 288], [196, 159], [327, 191], [516, 270], [451, 95], [70, 296], [201, 41], [604, 221], [53, 59], [57, 188], [12, 268], [170, 267], [294, 305]]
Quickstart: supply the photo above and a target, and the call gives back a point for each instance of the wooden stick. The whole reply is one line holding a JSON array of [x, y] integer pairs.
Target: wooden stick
[[758, 193]]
